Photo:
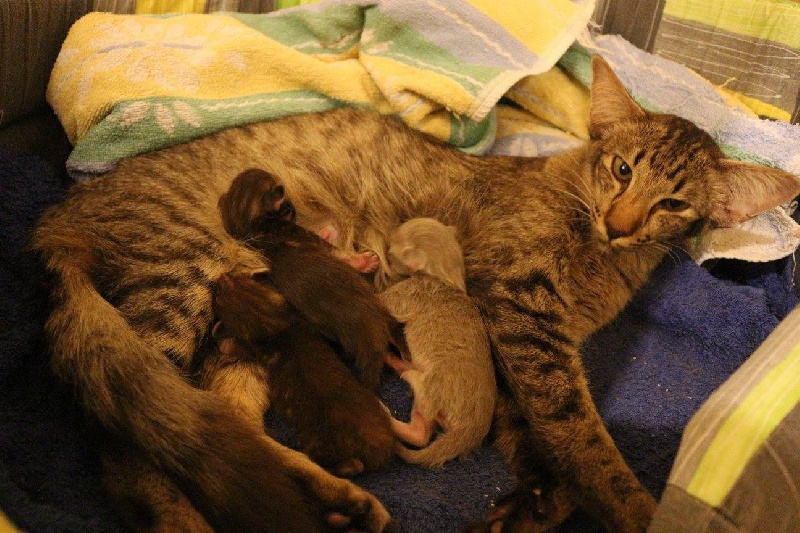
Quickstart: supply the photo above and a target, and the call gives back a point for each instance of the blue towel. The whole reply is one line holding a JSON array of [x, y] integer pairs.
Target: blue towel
[[681, 337]]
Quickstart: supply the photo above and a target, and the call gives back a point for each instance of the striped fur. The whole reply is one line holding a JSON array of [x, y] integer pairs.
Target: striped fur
[[554, 248]]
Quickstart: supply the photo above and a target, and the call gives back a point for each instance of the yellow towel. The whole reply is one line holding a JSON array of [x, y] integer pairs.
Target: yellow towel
[[127, 84]]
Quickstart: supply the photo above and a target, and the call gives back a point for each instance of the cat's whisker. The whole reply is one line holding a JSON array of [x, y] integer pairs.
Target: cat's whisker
[[669, 249], [570, 194], [582, 184]]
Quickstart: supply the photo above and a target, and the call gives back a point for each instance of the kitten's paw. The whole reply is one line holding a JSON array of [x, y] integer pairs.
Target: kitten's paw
[[367, 262], [349, 468], [397, 364], [364, 262]]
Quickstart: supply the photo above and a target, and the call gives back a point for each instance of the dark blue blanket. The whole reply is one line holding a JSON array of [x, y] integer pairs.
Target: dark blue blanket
[[684, 334]]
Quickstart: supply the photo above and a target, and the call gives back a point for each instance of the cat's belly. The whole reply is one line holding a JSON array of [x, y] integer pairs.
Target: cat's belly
[[155, 254]]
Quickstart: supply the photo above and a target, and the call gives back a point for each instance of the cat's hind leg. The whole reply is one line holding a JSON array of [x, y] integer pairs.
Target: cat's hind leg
[[143, 495]]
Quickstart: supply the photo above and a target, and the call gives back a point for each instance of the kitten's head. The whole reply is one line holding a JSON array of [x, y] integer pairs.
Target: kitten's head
[[660, 178], [426, 245]]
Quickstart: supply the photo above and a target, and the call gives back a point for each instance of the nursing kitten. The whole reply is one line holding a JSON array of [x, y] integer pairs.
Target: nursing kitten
[[326, 291], [450, 372], [337, 421], [554, 248]]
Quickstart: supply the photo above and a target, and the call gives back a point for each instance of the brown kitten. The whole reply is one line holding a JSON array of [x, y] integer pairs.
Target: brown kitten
[[251, 308], [447, 342], [554, 248], [327, 292], [337, 421]]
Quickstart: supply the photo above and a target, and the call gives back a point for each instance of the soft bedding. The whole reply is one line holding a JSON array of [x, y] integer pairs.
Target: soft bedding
[[687, 331]]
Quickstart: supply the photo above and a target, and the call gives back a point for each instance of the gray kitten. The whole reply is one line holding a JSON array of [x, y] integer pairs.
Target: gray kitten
[[450, 372]]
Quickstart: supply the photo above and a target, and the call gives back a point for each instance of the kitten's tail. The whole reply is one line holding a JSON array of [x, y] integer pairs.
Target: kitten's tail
[[228, 468], [456, 442]]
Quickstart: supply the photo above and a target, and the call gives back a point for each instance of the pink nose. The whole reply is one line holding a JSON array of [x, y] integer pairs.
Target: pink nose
[[621, 221]]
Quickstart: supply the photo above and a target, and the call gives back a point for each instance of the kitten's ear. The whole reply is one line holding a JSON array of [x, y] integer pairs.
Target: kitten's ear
[[412, 258], [744, 190], [610, 101]]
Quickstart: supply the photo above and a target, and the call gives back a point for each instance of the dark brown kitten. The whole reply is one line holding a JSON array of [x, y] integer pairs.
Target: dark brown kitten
[[326, 291], [338, 422], [554, 248]]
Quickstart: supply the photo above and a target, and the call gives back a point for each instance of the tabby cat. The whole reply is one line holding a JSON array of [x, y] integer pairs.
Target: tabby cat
[[554, 248]]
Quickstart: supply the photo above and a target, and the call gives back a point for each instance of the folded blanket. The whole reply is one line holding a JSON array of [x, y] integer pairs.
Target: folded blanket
[[123, 85]]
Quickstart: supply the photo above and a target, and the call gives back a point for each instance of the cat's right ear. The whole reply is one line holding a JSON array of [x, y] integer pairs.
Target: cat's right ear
[[743, 190], [610, 101]]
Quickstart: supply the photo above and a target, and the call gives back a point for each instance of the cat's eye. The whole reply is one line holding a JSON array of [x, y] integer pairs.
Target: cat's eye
[[673, 204], [622, 170]]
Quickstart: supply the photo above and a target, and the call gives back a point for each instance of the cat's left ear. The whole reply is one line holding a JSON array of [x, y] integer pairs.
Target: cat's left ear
[[610, 101], [743, 190]]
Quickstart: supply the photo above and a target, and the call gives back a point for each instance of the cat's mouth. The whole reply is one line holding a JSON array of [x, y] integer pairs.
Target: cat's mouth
[[626, 243], [619, 240]]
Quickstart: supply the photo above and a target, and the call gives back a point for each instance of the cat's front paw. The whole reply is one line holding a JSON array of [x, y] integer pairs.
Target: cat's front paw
[[638, 512], [527, 509]]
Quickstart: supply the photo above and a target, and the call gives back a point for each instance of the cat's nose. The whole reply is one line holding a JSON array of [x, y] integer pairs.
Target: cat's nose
[[620, 221], [614, 233]]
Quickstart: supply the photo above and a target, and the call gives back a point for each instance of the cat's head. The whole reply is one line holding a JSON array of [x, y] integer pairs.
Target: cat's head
[[659, 178]]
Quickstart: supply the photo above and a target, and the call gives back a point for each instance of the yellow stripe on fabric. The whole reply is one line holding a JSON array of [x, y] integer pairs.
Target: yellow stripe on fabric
[[773, 20], [515, 17], [762, 108], [159, 7], [282, 4], [746, 430]]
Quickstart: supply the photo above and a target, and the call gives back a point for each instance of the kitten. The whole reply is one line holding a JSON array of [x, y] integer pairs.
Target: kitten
[[553, 247], [449, 349], [326, 291], [337, 421]]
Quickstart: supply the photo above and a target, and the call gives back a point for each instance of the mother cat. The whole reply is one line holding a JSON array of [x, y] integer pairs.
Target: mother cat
[[554, 249]]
